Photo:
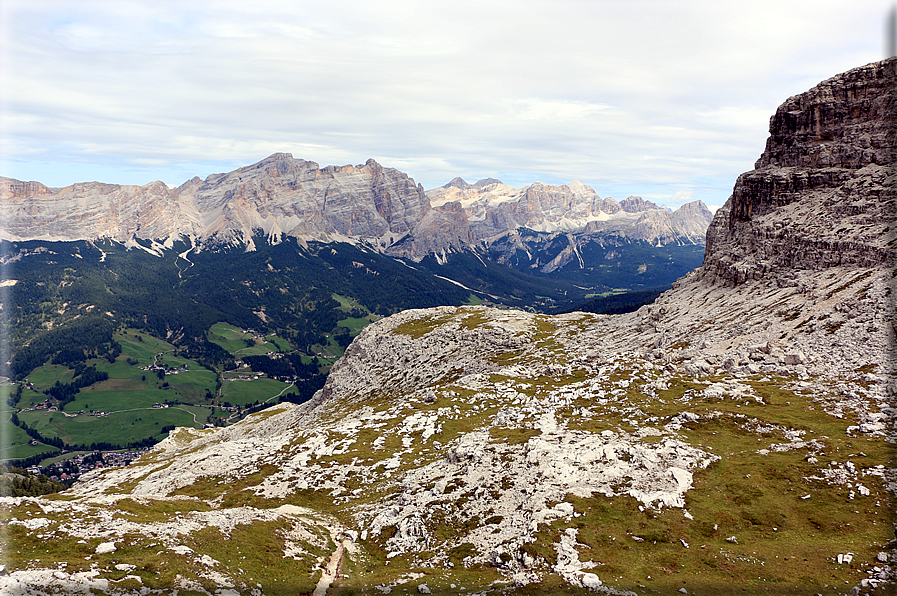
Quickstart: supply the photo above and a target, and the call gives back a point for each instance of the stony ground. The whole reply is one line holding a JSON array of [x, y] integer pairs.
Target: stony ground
[[715, 441], [736, 436]]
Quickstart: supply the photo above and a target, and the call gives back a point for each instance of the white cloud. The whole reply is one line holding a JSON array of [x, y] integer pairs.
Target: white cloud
[[645, 97]]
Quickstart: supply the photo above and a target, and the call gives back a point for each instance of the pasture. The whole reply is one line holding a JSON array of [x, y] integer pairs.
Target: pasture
[[244, 393]]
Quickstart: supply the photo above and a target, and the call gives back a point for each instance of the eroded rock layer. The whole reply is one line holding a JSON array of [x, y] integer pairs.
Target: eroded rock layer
[[735, 436], [823, 192]]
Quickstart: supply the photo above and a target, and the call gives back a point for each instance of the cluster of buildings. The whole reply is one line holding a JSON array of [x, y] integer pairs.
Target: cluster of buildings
[[243, 377], [168, 371], [44, 405], [70, 469]]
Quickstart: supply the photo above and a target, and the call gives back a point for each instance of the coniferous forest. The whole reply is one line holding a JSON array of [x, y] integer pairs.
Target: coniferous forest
[[265, 324]]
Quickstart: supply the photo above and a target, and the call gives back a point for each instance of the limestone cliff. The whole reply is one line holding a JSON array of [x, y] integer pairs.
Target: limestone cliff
[[93, 210], [736, 436], [823, 192], [283, 196], [494, 209]]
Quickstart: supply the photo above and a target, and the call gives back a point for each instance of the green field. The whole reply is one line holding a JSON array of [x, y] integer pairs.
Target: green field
[[130, 392], [45, 376], [15, 444], [353, 324], [280, 344], [142, 347], [331, 351], [228, 337], [242, 393], [30, 398], [120, 428], [235, 341], [119, 369], [347, 304], [112, 401], [193, 385], [613, 292], [169, 360]]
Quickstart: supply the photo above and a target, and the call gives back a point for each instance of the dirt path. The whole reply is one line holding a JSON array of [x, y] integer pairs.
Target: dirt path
[[195, 421], [279, 394], [331, 572]]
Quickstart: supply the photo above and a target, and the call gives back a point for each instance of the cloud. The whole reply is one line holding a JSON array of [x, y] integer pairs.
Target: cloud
[[640, 97]]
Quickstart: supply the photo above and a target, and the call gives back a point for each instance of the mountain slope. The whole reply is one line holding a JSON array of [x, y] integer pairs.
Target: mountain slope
[[282, 197], [565, 235], [735, 436]]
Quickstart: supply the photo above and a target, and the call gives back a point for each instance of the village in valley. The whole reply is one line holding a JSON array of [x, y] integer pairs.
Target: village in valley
[[68, 470], [148, 389]]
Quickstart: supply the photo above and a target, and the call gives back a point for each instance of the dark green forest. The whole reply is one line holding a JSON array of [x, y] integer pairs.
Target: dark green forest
[[71, 300], [70, 297]]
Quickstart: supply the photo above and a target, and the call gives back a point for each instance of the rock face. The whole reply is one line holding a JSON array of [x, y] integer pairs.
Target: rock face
[[93, 210], [282, 196], [534, 221], [685, 443], [823, 192], [276, 196], [495, 209]]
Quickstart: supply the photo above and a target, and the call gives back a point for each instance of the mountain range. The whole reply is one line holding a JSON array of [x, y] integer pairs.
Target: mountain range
[[735, 436], [383, 208]]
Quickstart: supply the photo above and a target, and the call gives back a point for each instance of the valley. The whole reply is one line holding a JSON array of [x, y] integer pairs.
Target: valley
[[732, 435], [202, 345]]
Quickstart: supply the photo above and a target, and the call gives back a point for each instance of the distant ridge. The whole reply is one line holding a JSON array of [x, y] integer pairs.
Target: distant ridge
[[735, 436], [383, 208]]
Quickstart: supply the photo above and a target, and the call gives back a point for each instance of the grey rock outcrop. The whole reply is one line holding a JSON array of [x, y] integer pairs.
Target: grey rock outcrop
[[495, 210], [636, 204], [823, 193], [277, 196], [90, 210], [512, 222], [463, 441], [282, 196]]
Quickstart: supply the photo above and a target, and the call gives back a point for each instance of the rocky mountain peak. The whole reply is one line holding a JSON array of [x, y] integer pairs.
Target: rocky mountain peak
[[460, 183], [11, 188], [457, 182], [636, 204], [486, 182], [822, 193], [276, 157]]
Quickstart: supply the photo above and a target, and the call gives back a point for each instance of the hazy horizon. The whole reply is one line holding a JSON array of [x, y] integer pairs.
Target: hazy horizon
[[666, 101]]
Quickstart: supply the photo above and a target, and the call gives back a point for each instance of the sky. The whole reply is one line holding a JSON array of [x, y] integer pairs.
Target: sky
[[666, 100]]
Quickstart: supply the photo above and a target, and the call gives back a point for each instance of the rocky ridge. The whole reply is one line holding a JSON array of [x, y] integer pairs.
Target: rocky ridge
[[281, 196], [740, 427], [537, 219], [823, 192], [494, 208]]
